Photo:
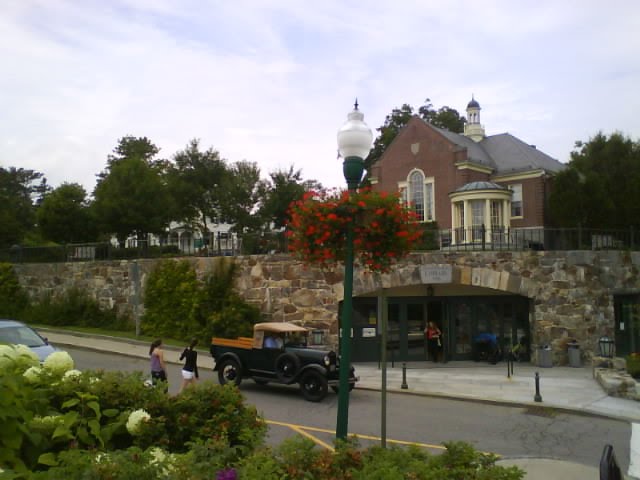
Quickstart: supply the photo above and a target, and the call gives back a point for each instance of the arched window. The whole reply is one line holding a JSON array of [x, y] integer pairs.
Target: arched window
[[416, 192]]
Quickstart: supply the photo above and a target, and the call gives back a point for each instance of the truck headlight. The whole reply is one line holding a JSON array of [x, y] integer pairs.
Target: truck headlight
[[327, 360]]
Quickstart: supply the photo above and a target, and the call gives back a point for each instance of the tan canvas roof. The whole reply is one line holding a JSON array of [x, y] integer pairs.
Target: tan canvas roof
[[278, 327]]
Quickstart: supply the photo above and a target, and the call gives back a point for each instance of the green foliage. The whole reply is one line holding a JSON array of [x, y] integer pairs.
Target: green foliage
[[600, 188], [227, 313], [131, 196], [171, 299], [178, 305], [196, 181], [18, 190], [13, 299], [64, 215], [74, 307], [633, 365], [242, 193], [286, 186]]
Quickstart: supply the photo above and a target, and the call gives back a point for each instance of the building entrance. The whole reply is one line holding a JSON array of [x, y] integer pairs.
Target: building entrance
[[466, 323]]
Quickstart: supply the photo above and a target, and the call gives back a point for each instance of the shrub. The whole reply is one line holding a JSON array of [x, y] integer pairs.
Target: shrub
[[13, 299], [171, 301], [74, 308], [633, 365], [179, 306]]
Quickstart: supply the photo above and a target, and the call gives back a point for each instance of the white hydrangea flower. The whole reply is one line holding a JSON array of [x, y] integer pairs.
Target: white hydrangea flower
[[32, 374], [59, 362], [47, 423], [71, 374], [135, 419], [159, 456], [7, 356], [25, 357], [102, 457]]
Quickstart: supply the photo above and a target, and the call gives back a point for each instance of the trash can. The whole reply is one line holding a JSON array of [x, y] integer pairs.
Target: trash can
[[574, 354], [544, 357]]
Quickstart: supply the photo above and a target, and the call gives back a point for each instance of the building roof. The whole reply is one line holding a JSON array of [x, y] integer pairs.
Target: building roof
[[473, 103], [472, 186], [504, 153]]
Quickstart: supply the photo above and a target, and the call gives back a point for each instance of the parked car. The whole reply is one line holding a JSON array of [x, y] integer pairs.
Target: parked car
[[278, 353], [13, 332]]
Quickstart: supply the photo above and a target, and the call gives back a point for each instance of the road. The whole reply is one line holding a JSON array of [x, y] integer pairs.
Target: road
[[507, 431]]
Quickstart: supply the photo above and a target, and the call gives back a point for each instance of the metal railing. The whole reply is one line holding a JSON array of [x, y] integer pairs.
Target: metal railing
[[227, 244], [541, 238]]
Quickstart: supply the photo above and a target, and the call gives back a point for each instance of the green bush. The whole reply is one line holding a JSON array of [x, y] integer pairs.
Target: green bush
[[171, 300], [13, 299], [74, 307], [633, 365], [179, 306]]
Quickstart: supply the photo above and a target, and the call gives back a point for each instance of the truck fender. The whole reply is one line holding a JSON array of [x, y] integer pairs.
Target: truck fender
[[224, 357], [313, 366]]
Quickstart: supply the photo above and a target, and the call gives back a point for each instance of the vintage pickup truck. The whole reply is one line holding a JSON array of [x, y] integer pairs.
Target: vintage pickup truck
[[278, 353]]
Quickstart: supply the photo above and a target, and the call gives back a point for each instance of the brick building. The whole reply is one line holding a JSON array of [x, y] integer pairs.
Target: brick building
[[476, 187]]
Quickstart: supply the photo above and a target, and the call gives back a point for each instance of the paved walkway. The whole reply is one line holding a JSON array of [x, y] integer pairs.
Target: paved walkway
[[566, 388]]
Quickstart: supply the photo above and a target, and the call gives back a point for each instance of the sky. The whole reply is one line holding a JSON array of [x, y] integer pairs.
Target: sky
[[272, 81]]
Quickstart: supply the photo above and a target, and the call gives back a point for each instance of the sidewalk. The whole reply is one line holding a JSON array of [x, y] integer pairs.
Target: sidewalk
[[565, 388]]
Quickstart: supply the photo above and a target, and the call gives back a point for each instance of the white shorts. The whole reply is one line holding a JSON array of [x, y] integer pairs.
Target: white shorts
[[187, 375]]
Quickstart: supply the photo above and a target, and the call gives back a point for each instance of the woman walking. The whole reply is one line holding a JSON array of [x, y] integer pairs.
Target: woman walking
[[158, 367], [190, 369]]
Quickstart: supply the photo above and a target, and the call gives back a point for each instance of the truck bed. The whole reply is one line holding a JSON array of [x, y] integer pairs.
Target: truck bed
[[240, 342]]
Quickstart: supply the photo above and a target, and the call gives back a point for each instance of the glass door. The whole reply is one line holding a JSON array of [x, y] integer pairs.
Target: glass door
[[415, 322], [460, 337]]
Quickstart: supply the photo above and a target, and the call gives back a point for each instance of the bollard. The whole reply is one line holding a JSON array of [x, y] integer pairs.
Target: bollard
[[404, 376], [537, 397]]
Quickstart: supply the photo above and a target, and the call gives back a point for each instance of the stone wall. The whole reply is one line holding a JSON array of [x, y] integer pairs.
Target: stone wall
[[571, 292]]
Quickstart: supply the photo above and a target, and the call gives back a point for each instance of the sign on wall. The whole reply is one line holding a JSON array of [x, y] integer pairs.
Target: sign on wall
[[436, 273]]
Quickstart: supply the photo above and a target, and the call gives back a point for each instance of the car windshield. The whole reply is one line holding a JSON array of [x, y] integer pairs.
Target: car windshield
[[20, 335]]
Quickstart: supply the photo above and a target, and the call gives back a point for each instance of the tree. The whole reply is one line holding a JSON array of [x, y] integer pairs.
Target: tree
[[131, 196], [20, 192], [285, 187], [243, 192], [64, 215], [444, 117], [195, 181], [600, 188]]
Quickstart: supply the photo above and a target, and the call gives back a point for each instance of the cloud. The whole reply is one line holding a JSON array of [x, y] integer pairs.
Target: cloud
[[272, 81]]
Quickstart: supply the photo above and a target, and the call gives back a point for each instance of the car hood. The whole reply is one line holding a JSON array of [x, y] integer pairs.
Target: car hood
[[43, 351]]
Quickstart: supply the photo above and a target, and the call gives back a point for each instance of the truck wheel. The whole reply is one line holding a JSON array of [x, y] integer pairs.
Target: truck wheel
[[287, 367], [313, 386], [229, 372]]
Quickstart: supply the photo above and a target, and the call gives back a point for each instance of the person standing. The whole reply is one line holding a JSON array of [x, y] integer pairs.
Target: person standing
[[434, 340], [190, 369], [158, 366]]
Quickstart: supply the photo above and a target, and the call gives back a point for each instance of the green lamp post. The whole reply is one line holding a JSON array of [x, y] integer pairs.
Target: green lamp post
[[354, 143]]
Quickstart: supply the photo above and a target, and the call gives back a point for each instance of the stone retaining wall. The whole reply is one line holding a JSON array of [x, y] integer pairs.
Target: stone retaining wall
[[571, 292]]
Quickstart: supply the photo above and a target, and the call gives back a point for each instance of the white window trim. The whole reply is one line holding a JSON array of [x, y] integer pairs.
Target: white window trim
[[521, 201], [427, 181]]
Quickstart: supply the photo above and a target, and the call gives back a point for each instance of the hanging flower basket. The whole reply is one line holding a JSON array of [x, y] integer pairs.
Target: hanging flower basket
[[385, 230]]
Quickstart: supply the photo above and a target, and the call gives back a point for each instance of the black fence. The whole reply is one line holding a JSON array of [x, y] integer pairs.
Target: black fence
[[499, 238], [215, 244], [227, 244]]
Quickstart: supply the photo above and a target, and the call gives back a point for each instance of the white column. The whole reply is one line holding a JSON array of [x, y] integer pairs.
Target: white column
[[454, 223], [487, 220], [467, 221]]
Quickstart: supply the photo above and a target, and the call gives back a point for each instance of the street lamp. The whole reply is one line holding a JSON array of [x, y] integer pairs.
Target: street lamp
[[354, 143]]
